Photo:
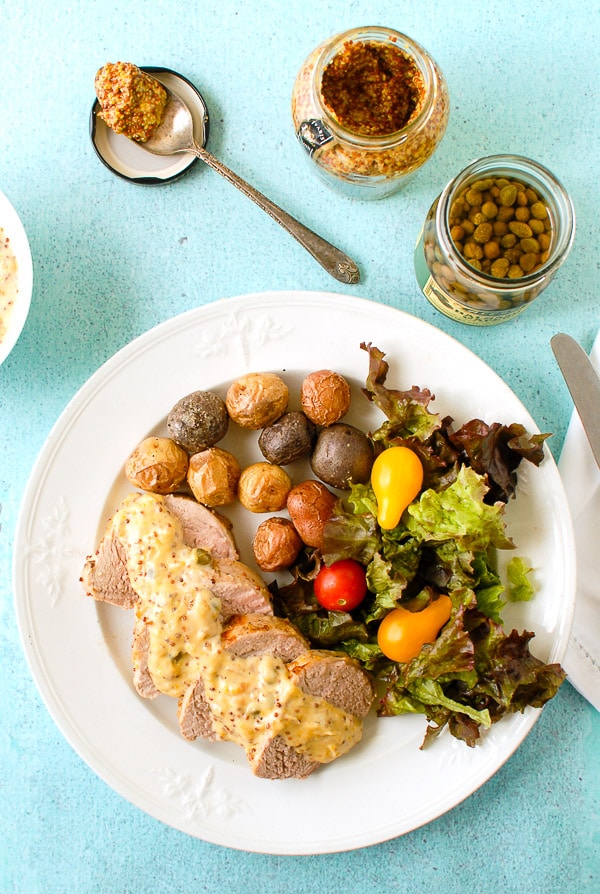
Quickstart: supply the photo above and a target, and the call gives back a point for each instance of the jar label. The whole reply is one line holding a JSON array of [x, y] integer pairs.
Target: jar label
[[456, 311], [313, 135]]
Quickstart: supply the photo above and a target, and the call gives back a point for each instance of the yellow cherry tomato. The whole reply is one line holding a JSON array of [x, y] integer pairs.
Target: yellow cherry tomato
[[402, 634], [396, 479]]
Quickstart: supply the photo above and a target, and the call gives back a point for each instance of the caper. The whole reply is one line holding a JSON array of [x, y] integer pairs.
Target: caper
[[520, 229], [528, 261], [483, 232], [473, 197], [530, 244], [506, 212], [489, 209], [522, 213], [539, 210], [508, 195], [492, 250], [483, 185], [500, 267], [473, 250]]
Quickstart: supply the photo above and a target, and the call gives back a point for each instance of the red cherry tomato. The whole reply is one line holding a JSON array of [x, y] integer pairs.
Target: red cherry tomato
[[342, 586]]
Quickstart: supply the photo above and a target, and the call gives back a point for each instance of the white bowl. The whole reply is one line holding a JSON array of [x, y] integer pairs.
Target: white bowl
[[11, 224]]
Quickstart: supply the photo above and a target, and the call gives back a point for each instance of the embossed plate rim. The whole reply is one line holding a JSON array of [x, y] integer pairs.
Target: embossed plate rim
[[206, 789]]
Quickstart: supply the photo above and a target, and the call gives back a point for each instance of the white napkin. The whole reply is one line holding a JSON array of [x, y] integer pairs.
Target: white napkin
[[581, 478]]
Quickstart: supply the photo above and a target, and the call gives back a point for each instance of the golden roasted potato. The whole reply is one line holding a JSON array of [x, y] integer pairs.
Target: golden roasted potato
[[213, 476], [158, 465], [257, 399], [264, 487]]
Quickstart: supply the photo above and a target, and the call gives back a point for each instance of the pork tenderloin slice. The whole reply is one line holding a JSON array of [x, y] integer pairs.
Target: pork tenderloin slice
[[193, 713], [275, 759], [104, 575], [142, 678], [255, 634], [202, 527], [337, 678], [241, 591]]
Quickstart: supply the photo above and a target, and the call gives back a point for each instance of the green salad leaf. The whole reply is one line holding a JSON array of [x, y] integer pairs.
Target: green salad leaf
[[458, 514], [520, 588]]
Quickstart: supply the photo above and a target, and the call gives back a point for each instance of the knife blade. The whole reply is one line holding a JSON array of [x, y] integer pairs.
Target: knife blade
[[583, 383]]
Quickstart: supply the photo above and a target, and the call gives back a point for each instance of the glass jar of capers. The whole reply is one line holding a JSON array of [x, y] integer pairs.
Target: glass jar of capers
[[493, 239]]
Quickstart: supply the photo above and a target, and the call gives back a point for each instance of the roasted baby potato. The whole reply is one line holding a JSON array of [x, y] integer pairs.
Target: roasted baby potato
[[158, 465], [198, 420], [310, 505], [325, 397], [343, 455], [257, 399], [264, 487], [276, 544], [213, 476], [289, 438]]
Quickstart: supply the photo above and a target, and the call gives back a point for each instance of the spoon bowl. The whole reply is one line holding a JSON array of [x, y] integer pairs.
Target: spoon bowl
[[175, 134]]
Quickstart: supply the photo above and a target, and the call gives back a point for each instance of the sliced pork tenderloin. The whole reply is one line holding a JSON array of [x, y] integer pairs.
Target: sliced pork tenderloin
[[337, 678], [275, 759], [104, 576], [195, 718], [243, 635], [203, 527], [142, 678], [240, 589], [255, 634], [241, 593]]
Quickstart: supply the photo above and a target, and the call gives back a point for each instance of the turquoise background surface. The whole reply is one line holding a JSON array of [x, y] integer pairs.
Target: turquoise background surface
[[112, 259]]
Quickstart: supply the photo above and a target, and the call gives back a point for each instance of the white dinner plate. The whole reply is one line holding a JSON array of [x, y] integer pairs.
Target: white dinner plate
[[78, 650]]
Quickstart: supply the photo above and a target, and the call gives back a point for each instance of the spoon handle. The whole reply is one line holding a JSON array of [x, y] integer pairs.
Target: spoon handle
[[335, 262]]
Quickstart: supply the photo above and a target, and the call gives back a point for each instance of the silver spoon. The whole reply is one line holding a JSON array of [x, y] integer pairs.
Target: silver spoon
[[176, 134]]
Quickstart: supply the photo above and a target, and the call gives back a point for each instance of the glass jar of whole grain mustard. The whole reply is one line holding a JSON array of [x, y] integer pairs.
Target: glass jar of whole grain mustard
[[369, 106], [494, 239]]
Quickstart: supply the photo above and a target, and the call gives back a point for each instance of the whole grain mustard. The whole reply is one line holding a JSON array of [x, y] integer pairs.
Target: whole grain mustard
[[133, 103]]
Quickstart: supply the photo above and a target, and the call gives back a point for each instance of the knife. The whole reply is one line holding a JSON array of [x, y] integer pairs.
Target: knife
[[583, 383]]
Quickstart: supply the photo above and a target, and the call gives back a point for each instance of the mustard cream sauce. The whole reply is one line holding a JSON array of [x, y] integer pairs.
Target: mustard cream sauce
[[249, 696], [8, 283]]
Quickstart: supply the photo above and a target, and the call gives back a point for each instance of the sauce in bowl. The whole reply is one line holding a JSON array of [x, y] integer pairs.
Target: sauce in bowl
[[8, 283]]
